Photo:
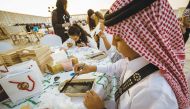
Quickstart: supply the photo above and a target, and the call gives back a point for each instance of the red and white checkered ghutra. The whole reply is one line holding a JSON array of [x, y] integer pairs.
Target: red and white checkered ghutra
[[154, 33]]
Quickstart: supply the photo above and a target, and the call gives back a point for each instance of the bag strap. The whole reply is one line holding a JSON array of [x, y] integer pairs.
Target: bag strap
[[135, 78]]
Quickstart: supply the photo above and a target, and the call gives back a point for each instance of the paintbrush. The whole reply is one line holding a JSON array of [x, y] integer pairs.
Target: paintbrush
[[76, 74]]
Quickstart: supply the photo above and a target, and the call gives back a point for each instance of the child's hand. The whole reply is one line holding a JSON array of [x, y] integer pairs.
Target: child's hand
[[101, 34], [83, 68], [69, 45], [66, 25], [102, 26], [93, 101]]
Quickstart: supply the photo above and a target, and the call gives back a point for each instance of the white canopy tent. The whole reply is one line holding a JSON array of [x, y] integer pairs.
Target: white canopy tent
[[40, 7]]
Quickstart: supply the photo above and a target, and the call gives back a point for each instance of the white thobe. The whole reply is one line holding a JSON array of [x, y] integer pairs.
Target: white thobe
[[153, 92], [113, 54]]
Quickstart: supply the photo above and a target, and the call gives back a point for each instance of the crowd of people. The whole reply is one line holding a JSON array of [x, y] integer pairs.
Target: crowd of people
[[146, 47], [34, 27], [185, 23]]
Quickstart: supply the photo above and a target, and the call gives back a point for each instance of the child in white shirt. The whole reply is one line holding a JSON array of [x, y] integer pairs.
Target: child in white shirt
[[79, 38]]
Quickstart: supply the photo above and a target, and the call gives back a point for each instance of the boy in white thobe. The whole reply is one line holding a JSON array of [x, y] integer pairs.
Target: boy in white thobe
[[146, 31]]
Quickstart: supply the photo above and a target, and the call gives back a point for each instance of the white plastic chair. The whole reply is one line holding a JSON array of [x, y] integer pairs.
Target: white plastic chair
[[51, 40], [4, 46]]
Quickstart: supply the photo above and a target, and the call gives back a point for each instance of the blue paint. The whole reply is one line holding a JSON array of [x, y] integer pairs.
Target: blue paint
[[72, 74]]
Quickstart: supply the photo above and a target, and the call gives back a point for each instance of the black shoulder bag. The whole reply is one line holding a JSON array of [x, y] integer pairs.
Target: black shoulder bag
[[135, 78]]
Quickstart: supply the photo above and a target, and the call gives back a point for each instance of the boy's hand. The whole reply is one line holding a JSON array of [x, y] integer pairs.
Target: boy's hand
[[93, 101]]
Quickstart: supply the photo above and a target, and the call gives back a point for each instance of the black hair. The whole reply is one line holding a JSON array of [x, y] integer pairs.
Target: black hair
[[77, 30], [92, 23]]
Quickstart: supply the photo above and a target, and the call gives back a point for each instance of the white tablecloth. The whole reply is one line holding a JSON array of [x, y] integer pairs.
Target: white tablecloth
[[105, 86]]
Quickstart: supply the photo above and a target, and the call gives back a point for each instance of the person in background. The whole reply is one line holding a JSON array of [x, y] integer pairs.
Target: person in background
[[98, 18], [35, 28], [60, 19], [147, 33], [79, 37], [183, 29], [43, 29], [186, 22], [90, 21], [103, 39], [28, 28], [104, 43]]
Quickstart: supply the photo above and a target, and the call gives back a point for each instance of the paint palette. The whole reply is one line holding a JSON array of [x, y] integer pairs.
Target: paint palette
[[77, 87]]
